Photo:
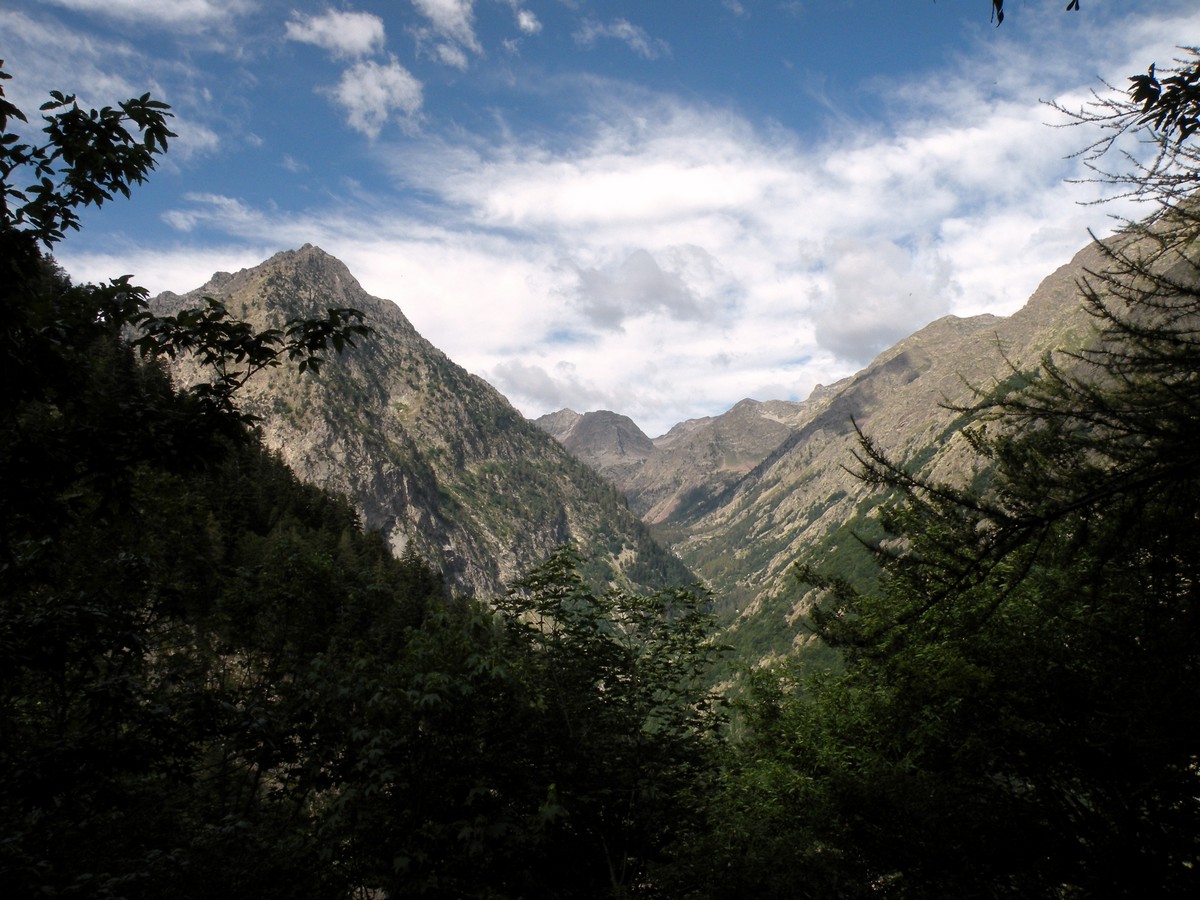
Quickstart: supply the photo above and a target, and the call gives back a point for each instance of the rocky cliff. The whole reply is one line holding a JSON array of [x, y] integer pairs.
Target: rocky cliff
[[431, 455]]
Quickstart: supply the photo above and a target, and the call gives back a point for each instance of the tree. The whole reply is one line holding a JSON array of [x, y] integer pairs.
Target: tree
[[167, 588], [1015, 717], [626, 739], [213, 683], [559, 745]]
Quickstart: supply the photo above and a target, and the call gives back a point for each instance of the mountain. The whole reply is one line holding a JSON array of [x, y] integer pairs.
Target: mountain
[[431, 455], [672, 477], [741, 497], [803, 502], [698, 460], [610, 443]]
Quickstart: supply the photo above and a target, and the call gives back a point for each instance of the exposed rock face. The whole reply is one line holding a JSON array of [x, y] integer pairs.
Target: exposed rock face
[[744, 495], [435, 457], [803, 501], [431, 455], [698, 460], [679, 475], [611, 444]]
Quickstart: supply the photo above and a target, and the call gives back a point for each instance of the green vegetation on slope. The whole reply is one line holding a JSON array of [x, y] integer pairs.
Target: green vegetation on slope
[[1015, 717]]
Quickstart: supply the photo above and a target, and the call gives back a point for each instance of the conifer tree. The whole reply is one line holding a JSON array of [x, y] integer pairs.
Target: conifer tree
[[1017, 712]]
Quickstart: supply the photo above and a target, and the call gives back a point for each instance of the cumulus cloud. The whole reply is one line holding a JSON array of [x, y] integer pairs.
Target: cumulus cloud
[[452, 18], [636, 286], [666, 258], [685, 289], [343, 34], [549, 390], [452, 55], [878, 294], [369, 93], [633, 36], [451, 29], [527, 21]]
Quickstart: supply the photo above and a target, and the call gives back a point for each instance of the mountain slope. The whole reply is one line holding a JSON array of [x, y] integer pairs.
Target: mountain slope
[[698, 460], [610, 443], [803, 501], [675, 477], [431, 455]]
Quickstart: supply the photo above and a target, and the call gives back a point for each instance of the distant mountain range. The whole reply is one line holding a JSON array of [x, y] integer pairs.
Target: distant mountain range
[[743, 496], [439, 461], [674, 477]]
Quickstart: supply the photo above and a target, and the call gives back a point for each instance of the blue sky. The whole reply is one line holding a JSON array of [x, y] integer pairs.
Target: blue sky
[[656, 207]]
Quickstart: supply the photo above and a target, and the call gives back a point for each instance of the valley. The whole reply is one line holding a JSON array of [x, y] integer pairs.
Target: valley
[[440, 462]]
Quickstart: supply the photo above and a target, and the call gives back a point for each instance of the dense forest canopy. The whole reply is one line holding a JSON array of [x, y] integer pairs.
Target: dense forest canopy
[[215, 683]]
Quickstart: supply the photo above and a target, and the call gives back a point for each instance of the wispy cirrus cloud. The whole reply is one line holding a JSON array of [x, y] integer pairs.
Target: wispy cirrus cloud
[[633, 36], [184, 14]]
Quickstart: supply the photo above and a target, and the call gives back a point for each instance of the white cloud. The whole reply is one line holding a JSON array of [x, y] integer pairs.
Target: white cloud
[[527, 21], [230, 213], [184, 14], [637, 286], [878, 294], [41, 55], [343, 34], [549, 390], [452, 55], [452, 19], [192, 139], [634, 36], [369, 93], [179, 267], [667, 258]]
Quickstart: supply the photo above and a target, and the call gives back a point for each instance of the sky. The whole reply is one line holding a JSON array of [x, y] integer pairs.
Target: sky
[[657, 207]]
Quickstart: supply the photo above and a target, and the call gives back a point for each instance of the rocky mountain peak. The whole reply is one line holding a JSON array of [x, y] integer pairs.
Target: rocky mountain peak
[[432, 456]]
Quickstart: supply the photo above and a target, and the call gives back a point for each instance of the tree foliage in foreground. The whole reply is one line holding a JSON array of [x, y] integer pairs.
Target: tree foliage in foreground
[[1017, 714], [213, 683]]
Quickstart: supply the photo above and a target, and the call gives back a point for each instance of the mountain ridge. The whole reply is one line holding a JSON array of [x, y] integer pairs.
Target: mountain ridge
[[437, 457], [743, 531], [431, 455]]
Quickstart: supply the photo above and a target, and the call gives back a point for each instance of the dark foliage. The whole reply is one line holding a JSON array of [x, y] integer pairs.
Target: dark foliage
[[213, 683], [1015, 714]]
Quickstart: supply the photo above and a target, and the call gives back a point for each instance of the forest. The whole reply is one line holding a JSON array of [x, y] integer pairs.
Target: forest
[[215, 683]]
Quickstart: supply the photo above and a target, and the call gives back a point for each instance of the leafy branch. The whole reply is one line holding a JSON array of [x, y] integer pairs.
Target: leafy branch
[[234, 351], [89, 157]]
